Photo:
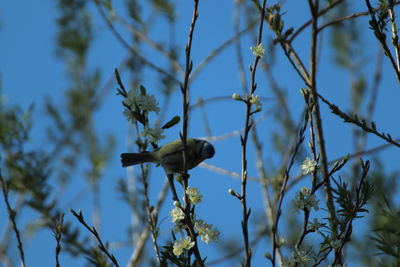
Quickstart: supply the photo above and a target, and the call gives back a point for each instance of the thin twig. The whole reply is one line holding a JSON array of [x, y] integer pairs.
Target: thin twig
[[362, 124], [283, 190], [382, 38], [93, 230], [243, 140], [185, 110], [11, 216], [317, 115], [265, 182], [152, 220], [238, 47], [395, 37], [145, 38], [350, 156], [58, 228], [142, 237], [219, 49], [239, 250], [130, 48], [348, 17], [308, 23]]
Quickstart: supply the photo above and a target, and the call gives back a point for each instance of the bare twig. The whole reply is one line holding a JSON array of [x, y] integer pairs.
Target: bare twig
[[130, 48], [308, 23], [219, 49], [11, 216], [93, 230], [237, 251], [348, 17], [185, 110], [58, 227], [278, 212], [150, 42], [142, 237], [314, 7], [243, 140], [152, 219]]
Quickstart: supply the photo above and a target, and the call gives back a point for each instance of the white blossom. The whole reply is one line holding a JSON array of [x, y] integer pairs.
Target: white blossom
[[206, 231], [136, 100], [258, 51], [256, 100], [194, 195], [304, 199], [309, 166], [177, 214], [181, 245]]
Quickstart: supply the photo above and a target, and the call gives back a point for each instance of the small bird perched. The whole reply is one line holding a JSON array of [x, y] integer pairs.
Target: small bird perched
[[170, 155]]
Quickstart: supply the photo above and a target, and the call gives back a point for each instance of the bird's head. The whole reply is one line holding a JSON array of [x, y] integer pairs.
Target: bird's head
[[204, 149]]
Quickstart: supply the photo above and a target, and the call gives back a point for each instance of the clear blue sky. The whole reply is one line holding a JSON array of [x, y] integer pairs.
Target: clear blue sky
[[30, 71]]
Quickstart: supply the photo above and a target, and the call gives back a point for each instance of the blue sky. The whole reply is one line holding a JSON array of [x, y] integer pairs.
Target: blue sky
[[30, 71]]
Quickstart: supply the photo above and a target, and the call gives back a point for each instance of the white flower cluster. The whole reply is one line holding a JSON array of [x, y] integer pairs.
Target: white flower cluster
[[256, 100], [304, 199], [258, 51], [182, 245], [309, 166], [194, 195], [206, 231], [137, 100], [177, 213]]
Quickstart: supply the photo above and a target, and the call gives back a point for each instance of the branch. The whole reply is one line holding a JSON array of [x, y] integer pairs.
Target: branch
[[381, 36], [185, 109], [141, 242], [130, 48], [11, 216], [283, 190], [248, 124], [96, 235], [356, 121], [317, 114]]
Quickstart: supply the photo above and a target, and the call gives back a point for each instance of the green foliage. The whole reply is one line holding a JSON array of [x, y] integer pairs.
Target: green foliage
[[387, 235]]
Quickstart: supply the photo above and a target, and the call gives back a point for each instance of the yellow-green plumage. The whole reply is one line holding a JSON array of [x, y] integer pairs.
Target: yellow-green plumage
[[170, 155]]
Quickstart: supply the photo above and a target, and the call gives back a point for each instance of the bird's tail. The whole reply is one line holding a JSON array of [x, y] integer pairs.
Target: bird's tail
[[128, 159]]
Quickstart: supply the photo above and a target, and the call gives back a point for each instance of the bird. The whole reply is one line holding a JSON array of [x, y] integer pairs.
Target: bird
[[170, 155]]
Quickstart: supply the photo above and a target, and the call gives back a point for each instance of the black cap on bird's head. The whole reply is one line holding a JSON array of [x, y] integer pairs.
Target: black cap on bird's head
[[204, 149]]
